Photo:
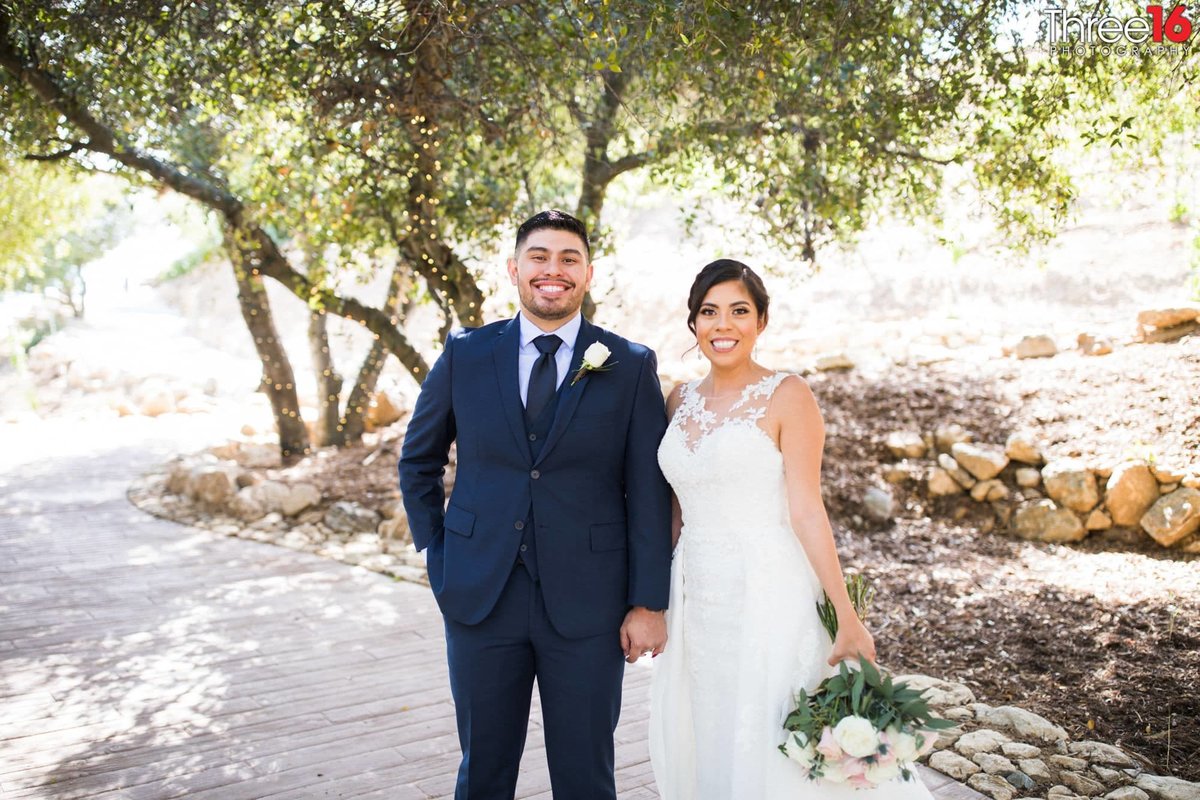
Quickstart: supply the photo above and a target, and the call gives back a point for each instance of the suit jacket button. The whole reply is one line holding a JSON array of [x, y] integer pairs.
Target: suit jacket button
[[524, 548], [519, 525], [533, 437], [535, 474]]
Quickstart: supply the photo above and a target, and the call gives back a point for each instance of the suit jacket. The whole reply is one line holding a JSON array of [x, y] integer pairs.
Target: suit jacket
[[600, 506]]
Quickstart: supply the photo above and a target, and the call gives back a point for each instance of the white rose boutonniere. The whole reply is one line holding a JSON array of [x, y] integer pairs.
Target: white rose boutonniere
[[593, 361]]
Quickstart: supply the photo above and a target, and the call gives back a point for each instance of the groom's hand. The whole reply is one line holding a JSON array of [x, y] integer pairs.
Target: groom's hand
[[643, 632]]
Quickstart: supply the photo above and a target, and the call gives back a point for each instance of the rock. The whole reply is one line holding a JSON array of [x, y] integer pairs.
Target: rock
[[1157, 335], [1166, 317], [1101, 753], [246, 506], [177, 477], [300, 497], [394, 533], [993, 764], [1127, 793], [1173, 517], [833, 361], [214, 484], [989, 491], [1028, 477], [957, 713], [154, 398], [1081, 784], [1094, 345], [879, 503], [1167, 488], [1098, 521], [991, 785], [1163, 788], [1020, 780], [1025, 724], [1129, 493], [381, 412], [980, 741], [950, 763], [1107, 776], [248, 430], [982, 461], [1043, 521], [906, 444], [1036, 769], [1070, 483], [960, 475], [1068, 762], [1062, 793], [1164, 474], [272, 494], [1191, 480], [1021, 447], [1020, 750], [941, 484], [1040, 346], [259, 456], [938, 692], [349, 518], [901, 472], [946, 436]]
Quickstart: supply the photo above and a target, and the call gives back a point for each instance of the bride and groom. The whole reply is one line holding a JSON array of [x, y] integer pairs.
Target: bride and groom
[[591, 524]]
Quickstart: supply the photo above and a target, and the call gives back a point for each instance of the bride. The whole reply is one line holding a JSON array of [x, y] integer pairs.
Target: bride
[[754, 549]]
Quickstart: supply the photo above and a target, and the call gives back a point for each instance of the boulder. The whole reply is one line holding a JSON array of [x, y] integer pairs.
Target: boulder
[[989, 491], [154, 398], [1020, 750], [946, 436], [1036, 769], [941, 484], [879, 503], [1027, 725], [214, 484], [382, 411], [1028, 477], [993, 786], [1129, 493], [1040, 346], [348, 519], [1044, 521], [1091, 345], [983, 461], [300, 497], [938, 692], [246, 506], [1127, 793], [394, 533], [980, 741], [906, 444], [950, 763], [1173, 516], [994, 764], [1163, 788], [828, 362], [1101, 753], [901, 472], [1020, 446], [1081, 784], [955, 471], [1070, 483], [1167, 317], [1098, 521]]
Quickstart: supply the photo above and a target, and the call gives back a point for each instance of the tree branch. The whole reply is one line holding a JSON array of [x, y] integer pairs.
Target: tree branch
[[60, 155]]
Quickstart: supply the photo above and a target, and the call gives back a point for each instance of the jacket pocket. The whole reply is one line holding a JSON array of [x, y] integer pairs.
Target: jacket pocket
[[459, 520], [609, 536]]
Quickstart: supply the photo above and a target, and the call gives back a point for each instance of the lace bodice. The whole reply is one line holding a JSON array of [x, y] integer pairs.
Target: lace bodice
[[723, 464]]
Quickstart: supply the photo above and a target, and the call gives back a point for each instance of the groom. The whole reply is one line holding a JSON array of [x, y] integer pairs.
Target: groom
[[552, 558]]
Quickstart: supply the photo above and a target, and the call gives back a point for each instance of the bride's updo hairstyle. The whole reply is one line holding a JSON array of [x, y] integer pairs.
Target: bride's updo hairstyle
[[721, 271]]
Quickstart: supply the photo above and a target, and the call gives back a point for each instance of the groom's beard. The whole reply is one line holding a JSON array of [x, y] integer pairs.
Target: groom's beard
[[541, 308]]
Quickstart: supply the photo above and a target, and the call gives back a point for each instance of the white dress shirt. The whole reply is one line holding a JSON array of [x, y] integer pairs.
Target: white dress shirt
[[528, 352]]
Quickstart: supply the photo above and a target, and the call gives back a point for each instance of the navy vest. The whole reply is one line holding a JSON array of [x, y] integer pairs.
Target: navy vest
[[536, 432]]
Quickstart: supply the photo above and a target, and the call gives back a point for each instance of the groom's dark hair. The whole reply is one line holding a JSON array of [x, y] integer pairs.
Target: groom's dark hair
[[555, 220]]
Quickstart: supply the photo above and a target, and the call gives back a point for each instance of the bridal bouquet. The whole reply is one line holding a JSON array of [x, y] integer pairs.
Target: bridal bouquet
[[859, 727]]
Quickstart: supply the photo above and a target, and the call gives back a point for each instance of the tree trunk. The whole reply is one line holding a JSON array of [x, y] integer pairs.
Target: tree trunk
[[278, 380], [329, 383], [353, 421]]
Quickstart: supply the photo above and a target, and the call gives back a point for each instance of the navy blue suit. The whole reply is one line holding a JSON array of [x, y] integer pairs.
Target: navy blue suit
[[582, 490]]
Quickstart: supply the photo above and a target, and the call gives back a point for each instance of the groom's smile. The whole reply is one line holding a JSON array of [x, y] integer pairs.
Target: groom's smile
[[552, 273]]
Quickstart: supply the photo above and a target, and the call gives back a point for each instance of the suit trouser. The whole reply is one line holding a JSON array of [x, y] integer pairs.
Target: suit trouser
[[492, 669]]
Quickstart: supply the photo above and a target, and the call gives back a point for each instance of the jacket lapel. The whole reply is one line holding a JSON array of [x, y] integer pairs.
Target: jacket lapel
[[504, 354], [569, 395]]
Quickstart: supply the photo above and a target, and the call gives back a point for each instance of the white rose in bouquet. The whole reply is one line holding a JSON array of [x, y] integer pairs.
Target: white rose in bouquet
[[904, 745], [799, 749], [857, 736], [883, 771]]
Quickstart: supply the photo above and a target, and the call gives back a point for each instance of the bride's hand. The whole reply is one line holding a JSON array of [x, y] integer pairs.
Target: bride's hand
[[853, 640]]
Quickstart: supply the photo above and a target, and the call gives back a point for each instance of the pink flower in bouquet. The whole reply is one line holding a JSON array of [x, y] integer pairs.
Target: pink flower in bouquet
[[828, 746], [854, 767]]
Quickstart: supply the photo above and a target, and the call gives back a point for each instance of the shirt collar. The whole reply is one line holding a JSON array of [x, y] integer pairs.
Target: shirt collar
[[567, 333]]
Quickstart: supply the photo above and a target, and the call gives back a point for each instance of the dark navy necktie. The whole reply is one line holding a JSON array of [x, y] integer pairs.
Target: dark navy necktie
[[543, 379]]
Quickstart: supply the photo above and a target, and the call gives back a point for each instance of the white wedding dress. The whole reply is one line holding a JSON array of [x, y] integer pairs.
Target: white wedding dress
[[743, 632]]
